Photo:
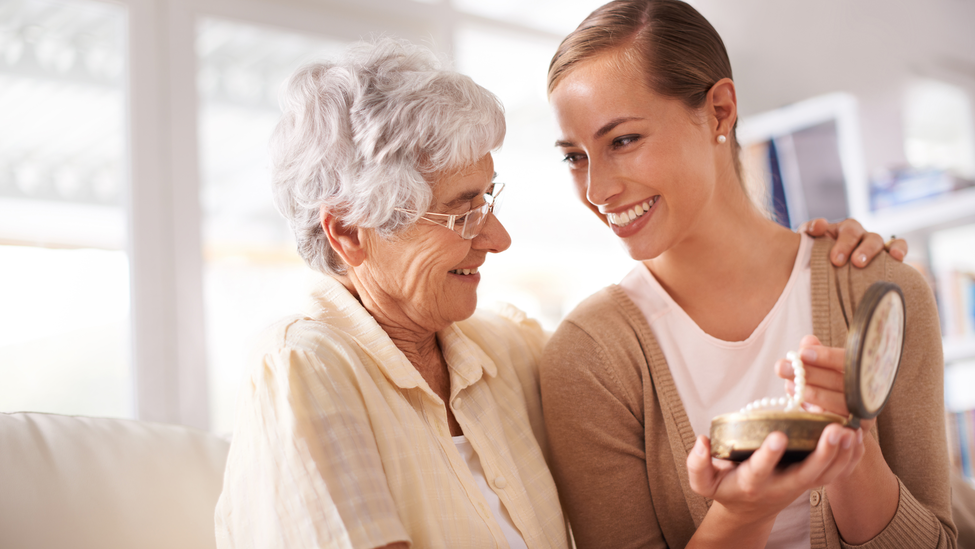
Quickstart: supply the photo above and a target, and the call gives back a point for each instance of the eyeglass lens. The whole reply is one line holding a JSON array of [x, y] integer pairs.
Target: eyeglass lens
[[474, 222]]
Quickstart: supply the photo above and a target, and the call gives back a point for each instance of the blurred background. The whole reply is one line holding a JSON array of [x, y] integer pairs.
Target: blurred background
[[140, 251]]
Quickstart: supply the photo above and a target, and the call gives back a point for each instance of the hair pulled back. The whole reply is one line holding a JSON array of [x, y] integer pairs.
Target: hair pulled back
[[679, 52]]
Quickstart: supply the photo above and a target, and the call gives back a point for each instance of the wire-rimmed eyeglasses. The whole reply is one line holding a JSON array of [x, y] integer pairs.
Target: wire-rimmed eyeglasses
[[469, 224]]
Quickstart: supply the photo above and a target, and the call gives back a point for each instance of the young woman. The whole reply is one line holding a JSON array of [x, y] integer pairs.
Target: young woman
[[643, 95]]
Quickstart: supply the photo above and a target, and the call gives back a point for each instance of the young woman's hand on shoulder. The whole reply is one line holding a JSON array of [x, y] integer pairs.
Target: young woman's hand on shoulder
[[852, 240]]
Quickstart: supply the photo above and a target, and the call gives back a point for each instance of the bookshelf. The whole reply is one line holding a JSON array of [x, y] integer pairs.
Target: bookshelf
[[957, 349], [918, 223], [824, 132], [924, 223], [922, 217], [820, 169]]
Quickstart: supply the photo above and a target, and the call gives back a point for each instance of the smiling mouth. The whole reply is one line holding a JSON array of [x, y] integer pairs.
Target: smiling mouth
[[464, 271], [629, 216]]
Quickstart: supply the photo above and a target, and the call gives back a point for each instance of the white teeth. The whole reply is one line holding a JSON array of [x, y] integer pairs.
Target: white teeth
[[625, 218], [465, 271]]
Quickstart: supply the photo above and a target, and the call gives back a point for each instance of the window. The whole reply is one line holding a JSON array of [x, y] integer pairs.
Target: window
[[252, 274], [139, 248], [552, 233], [64, 271]]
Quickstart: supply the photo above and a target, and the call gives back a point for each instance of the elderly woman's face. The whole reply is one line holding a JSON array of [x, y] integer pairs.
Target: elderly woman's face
[[418, 277]]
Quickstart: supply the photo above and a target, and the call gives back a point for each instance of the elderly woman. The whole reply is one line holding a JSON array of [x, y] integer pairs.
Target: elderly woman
[[386, 414]]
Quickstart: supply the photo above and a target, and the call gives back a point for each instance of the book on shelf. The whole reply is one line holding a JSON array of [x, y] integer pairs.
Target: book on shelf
[[961, 441], [893, 187], [956, 303]]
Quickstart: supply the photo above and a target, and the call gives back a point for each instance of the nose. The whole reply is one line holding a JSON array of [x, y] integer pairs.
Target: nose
[[493, 237], [602, 185]]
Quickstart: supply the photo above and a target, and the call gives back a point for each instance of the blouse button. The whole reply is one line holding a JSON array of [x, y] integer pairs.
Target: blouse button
[[814, 498], [500, 482]]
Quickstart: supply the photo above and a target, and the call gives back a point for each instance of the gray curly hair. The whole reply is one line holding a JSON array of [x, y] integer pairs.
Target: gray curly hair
[[366, 134]]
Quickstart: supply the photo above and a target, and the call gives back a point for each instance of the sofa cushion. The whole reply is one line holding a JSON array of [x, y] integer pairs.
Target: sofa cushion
[[85, 482]]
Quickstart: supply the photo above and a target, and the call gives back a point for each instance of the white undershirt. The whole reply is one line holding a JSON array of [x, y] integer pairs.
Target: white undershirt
[[511, 533], [715, 377]]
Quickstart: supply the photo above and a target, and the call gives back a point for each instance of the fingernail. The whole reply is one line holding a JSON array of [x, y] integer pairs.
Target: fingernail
[[847, 441], [807, 355], [775, 444], [839, 258], [859, 436], [834, 438], [699, 448], [862, 259]]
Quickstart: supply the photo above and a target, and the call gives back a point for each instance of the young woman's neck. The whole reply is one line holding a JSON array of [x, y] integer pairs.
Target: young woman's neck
[[729, 270]]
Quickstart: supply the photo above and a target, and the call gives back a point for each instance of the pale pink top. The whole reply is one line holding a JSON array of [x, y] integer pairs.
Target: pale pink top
[[715, 377]]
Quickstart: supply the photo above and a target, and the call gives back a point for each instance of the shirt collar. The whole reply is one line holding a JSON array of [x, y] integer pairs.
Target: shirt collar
[[332, 303], [466, 360]]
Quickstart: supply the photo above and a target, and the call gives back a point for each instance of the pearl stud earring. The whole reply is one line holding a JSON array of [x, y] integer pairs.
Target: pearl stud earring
[[722, 139]]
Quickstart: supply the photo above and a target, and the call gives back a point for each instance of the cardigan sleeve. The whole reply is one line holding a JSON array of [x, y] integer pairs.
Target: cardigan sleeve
[[595, 426], [911, 428]]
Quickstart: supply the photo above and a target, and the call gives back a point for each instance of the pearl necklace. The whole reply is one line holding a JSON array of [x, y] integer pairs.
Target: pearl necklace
[[792, 403]]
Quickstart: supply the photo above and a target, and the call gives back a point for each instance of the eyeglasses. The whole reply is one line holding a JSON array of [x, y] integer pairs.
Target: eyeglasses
[[467, 225]]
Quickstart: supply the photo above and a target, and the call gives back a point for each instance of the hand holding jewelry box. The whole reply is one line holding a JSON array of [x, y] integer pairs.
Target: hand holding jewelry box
[[873, 352]]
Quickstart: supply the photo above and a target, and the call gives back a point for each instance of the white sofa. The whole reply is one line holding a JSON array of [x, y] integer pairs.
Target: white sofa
[[81, 482], [95, 483]]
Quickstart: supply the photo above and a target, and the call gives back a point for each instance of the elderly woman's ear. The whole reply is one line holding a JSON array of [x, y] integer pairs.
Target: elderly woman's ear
[[344, 240]]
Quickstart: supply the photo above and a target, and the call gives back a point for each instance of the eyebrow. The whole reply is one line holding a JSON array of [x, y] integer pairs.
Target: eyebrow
[[608, 127], [469, 195]]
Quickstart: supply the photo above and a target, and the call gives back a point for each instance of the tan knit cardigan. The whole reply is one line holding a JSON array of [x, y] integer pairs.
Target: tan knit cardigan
[[620, 437]]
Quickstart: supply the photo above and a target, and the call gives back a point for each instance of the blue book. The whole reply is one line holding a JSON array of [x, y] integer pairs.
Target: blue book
[[971, 303], [966, 463]]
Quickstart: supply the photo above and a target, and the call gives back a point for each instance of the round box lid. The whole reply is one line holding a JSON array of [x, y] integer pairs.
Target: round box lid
[[873, 351]]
